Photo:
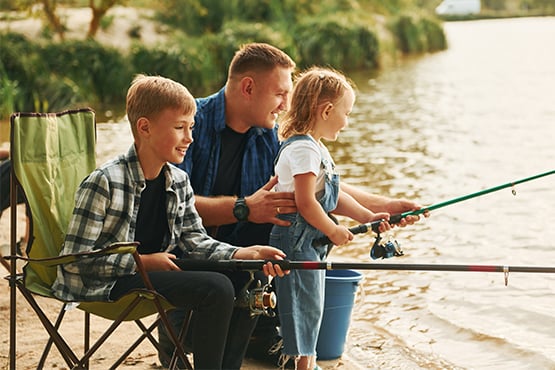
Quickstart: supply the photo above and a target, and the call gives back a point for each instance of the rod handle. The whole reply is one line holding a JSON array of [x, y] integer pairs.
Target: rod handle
[[359, 229]]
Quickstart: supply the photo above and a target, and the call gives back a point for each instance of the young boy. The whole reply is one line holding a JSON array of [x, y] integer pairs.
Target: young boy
[[140, 196]]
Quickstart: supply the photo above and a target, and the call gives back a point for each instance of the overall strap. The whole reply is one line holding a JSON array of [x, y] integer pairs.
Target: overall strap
[[290, 140]]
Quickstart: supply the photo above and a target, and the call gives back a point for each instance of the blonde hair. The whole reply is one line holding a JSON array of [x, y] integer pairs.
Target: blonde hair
[[258, 57], [313, 88], [150, 95]]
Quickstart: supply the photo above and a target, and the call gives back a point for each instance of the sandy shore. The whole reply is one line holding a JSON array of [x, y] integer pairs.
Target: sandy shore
[[32, 337]]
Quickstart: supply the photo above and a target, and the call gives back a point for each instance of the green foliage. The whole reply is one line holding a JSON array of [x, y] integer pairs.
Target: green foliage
[[279, 11], [181, 64], [195, 17], [42, 74], [337, 42], [106, 22], [435, 37], [102, 72], [417, 35], [26, 83]]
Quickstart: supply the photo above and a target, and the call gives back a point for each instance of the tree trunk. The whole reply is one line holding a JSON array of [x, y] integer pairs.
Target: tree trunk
[[52, 18], [97, 13]]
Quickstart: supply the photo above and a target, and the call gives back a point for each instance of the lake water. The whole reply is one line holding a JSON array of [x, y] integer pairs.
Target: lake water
[[477, 115]]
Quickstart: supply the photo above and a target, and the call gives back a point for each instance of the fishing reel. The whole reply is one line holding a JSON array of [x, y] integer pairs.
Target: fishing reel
[[387, 249], [260, 300]]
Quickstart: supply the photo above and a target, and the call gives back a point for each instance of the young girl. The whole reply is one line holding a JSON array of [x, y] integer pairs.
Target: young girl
[[321, 102]]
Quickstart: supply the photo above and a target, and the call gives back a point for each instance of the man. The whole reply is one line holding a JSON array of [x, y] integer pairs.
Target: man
[[231, 161]]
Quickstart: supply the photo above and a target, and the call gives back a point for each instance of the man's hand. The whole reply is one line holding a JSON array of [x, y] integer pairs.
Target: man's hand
[[265, 204], [397, 206]]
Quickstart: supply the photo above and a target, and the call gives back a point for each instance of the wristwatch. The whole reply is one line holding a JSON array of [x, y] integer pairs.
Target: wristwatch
[[241, 210]]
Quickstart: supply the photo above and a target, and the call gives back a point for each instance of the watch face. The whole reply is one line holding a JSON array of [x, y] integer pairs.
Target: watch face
[[241, 211]]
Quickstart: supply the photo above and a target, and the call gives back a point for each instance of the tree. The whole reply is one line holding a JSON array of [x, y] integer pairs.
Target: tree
[[97, 13], [49, 7]]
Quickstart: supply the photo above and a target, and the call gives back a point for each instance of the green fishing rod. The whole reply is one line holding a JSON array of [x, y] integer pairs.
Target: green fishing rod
[[394, 219]]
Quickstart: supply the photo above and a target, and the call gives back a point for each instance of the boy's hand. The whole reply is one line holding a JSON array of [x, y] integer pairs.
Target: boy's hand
[[263, 252], [161, 261]]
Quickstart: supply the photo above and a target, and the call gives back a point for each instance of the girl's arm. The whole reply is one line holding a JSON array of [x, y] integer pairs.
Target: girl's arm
[[312, 211], [348, 206]]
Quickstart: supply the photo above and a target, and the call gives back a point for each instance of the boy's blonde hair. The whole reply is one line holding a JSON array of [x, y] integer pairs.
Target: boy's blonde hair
[[150, 95], [313, 88], [258, 57]]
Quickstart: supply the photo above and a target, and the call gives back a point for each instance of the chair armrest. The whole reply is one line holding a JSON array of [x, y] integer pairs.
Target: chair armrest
[[114, 248]]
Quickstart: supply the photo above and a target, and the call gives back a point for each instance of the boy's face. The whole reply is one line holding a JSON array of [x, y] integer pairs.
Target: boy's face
[[170, 135]]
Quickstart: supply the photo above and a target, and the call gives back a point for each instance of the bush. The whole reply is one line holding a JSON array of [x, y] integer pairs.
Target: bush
[[181, 62], [222, 46], [26, 83], [417, 35], [100, 72], [336, 42]]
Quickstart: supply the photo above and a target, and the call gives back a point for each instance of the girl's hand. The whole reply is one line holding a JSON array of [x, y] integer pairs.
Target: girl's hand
[[340, 235]]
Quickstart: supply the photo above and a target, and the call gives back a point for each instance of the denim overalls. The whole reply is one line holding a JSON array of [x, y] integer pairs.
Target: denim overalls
[[300, 295]]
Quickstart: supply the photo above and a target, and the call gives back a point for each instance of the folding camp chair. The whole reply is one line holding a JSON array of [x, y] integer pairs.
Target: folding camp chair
[[51, 154]]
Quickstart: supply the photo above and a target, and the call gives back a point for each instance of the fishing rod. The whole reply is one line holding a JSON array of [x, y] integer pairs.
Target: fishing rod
[[394, 219], [255, 265]]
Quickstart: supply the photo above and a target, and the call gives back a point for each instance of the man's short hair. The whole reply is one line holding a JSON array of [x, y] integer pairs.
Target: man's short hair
[[258, 57]]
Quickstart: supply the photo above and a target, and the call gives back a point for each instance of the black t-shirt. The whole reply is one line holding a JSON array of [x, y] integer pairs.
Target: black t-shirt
[[152, 221], [228, 182]]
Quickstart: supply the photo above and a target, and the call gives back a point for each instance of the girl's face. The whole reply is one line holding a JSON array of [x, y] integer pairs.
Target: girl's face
[[335, 117]]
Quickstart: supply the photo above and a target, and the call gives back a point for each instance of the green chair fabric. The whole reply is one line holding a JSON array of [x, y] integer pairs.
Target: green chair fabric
[[51, 154]]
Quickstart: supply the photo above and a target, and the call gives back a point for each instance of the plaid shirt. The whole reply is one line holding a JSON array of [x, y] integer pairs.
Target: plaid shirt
[[201, 161], [106, 207]]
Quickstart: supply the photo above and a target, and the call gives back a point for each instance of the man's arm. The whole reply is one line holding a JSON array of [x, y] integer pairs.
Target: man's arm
[[264, 206], [379, 203]]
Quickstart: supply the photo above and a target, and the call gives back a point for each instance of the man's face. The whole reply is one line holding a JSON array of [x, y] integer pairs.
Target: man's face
[[270, 96]]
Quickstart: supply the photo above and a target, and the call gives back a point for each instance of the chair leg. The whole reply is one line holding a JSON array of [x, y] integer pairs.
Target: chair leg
[[64, 349], [115, 324], [87, 337], [147, 334], [179, 351], [182, 333], [48, 346]]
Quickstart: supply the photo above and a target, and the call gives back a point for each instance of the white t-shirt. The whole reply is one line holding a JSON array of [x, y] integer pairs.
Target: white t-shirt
[[300, 157]]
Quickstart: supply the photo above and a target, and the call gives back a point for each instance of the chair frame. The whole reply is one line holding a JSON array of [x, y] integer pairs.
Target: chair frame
[[16, 282]]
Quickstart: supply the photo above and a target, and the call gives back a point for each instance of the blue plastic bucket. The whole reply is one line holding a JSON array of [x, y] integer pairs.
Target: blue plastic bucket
[[341, 286]]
